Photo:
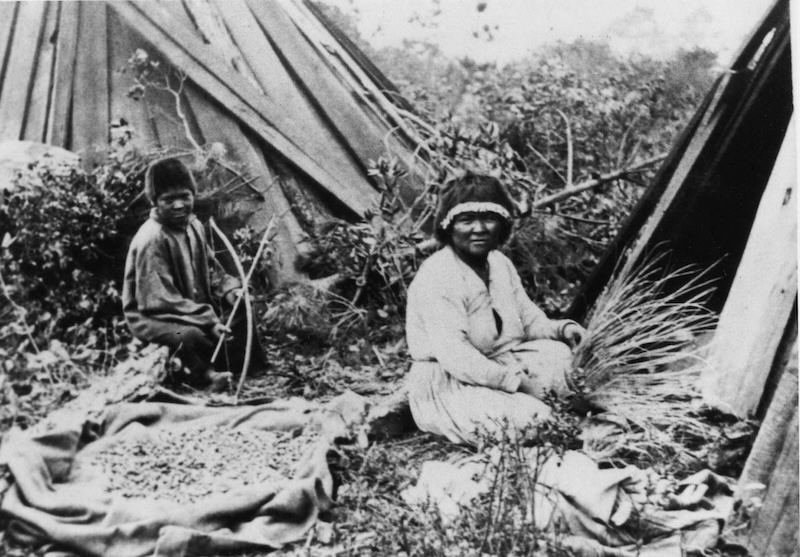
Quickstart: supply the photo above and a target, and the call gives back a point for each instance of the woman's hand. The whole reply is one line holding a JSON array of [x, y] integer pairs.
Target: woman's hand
[[528, 386], [572, 334]]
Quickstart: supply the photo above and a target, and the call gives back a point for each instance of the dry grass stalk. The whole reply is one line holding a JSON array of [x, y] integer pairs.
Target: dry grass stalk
[[640, 355]]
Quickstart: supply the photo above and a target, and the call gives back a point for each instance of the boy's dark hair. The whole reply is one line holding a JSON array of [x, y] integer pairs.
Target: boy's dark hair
[[165, 174]]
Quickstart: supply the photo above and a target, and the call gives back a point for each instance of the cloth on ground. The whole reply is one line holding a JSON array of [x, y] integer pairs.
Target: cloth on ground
[[466, 371], [46, 504], [604, 512]]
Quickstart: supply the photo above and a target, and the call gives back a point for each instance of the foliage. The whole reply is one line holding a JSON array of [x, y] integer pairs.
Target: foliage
[[570, 113], [567, 115], [372, 261], [246, 243], [60, 258], [498, 522], [60, 271]]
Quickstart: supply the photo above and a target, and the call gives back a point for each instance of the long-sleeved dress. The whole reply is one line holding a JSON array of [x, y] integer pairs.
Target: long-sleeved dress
[[471, 344]]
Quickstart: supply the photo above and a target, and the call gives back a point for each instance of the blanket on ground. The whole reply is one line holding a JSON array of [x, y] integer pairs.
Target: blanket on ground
[[611, 512], [49, 499]]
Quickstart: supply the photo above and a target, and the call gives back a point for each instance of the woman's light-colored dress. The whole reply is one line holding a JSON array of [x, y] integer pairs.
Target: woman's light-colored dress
[[465, 372]]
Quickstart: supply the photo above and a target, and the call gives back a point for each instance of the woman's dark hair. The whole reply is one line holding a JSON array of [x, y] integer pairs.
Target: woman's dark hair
[[467, 188], [166, 174]]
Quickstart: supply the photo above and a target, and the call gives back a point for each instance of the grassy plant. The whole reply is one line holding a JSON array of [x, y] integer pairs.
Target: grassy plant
[[640, 358]]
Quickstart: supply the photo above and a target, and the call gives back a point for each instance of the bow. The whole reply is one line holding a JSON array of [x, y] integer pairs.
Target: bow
[[248, 308]]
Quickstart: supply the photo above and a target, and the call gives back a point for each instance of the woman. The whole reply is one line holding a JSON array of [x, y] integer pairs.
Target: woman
[[483, 354]]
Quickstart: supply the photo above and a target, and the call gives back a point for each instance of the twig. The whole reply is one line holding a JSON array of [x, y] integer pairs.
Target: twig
[[243, 295], [176, 93], [590, 184], [579, 219], [378, 355], [247, 305], [21, 312], [569, 148], [547, 162], [621, 159]]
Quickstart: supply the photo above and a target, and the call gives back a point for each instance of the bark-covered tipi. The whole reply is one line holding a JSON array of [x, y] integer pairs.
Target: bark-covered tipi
[[287, 97]]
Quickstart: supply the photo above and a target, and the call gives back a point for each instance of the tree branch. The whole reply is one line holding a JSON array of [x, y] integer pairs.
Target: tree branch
[[545, 161], [590, 184], [569, 148]]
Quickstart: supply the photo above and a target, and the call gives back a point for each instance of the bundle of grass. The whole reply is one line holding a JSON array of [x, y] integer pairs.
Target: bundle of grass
[[641, 357]]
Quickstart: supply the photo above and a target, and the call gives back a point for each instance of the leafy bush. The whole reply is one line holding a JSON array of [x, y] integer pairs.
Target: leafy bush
[[61, 267], [571, 114], [61, 256]]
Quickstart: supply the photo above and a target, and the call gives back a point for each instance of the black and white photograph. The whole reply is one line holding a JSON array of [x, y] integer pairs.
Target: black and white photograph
[[382, 278]]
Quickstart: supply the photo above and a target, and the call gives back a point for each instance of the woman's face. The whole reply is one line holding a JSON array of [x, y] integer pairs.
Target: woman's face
[[474, 235]]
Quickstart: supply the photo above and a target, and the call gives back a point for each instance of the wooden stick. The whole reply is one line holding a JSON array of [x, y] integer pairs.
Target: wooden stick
[[246, 283], [243, 293], [589, 184], [569, 148]]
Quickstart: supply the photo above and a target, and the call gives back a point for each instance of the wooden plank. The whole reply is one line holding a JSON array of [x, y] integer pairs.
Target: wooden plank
[[398, 138], [39, 106], [21, 69], [210, 23], [269, 71], [777, 422], [362, 77], [761, 297], [374, 74], [122, 45], [775, 527], [90, 116], [739, 108], [322, 87], [232, 91], [8, 18], [218, 127], [61, 96], [773, 463]]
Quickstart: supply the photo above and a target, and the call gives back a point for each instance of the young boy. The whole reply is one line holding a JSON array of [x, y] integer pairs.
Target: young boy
[[173, 285]]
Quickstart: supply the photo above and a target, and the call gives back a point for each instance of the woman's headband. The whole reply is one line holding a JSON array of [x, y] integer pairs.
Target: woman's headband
[[474, 207]]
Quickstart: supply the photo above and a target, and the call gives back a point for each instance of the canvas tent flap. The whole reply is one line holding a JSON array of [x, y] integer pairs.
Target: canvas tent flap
[[54, 499]]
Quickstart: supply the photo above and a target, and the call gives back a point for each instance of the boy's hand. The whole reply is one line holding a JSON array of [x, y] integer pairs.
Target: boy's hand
[[220, 329], [233, 295]]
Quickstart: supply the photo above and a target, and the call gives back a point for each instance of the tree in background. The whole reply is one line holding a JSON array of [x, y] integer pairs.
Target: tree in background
[[571, 114]]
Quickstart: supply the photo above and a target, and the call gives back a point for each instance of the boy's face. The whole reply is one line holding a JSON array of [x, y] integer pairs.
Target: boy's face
[[174, 207]]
